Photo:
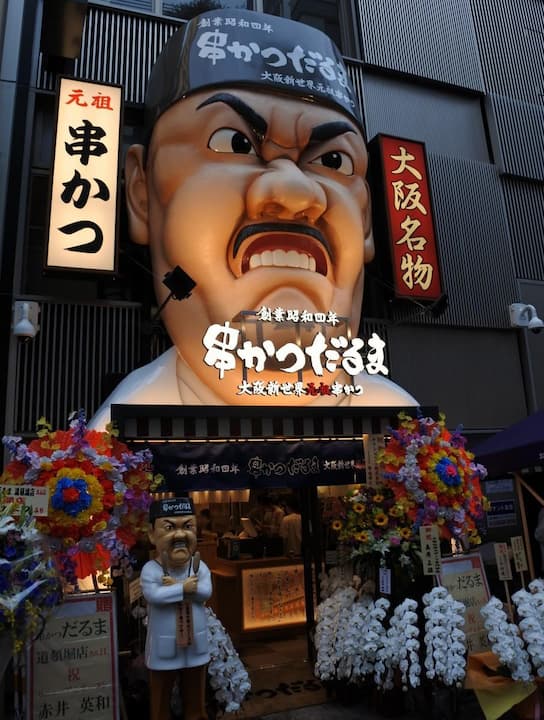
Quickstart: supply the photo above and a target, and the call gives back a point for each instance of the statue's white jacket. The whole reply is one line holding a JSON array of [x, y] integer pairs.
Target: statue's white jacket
[[161, 649]]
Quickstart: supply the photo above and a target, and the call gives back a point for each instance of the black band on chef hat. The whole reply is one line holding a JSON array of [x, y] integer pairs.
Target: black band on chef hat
[[252, 50], [170, 507]]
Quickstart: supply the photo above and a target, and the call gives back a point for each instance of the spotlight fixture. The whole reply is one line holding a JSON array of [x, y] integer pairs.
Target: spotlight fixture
[[180, 285], [25, 319], [525, 316]]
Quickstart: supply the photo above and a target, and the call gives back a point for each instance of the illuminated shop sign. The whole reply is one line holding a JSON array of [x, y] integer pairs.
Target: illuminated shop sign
[[319, 345], [416, 272], [82, 225]]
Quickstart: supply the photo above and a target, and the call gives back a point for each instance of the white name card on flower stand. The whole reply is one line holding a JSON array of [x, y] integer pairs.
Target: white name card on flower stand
[[372, 444], [385, 581], [518, 554], [464, 577], [504, 569], [18, 496], [430, 549]]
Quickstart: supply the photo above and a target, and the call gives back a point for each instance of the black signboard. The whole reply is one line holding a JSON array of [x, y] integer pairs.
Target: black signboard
[[231, 465]]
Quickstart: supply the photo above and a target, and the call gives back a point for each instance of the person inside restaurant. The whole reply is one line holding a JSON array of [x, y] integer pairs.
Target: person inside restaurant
[[291, 527], [267, 516]]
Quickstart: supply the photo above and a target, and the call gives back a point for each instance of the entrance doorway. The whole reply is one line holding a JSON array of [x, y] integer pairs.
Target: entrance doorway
[[262, 574], [251, 450]]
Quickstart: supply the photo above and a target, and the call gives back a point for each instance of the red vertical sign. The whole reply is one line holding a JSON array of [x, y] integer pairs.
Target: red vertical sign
[[416, 272]]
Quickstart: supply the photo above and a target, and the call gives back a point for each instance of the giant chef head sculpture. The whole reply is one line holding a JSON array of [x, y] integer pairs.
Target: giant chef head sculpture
[[252, 181]]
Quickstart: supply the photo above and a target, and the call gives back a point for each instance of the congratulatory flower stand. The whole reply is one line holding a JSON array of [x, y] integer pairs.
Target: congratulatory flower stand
[[381, 624], [98, 494]]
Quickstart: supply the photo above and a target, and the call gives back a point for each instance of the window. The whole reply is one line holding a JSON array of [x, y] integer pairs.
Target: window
[[321, 14], [333, 17], [140, 5], [186, 9]]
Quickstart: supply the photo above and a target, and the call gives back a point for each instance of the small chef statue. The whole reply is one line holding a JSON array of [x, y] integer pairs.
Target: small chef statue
[[176, 585]]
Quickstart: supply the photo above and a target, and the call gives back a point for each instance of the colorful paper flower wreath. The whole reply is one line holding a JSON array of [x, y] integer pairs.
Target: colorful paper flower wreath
[[431, 472], [99, 494]]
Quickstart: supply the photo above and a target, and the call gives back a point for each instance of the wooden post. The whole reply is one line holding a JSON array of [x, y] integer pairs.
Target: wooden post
[[509, 601], [520, 484]]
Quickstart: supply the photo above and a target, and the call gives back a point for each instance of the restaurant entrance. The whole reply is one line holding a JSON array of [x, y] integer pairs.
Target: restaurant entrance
[[266, 550], [239, 470]]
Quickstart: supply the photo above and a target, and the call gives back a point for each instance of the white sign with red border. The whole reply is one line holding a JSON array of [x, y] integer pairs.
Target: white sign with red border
[[83, 217]]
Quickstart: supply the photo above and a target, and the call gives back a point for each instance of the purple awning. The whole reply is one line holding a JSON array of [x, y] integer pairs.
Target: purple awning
[[516, 447]]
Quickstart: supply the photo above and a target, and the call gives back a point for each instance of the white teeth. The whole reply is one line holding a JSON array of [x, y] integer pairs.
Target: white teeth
[[281, 258], [292, 257]]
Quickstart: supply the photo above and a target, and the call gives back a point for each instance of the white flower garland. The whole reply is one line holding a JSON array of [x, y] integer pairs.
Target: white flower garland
[[336, 578], [369, 616], [353, 641], [505, 640], [400, 649], [346, 641], [374, 637], [228, 676], [351, 636], [445, 658], [536, 587], [326, 631], [530, 608]]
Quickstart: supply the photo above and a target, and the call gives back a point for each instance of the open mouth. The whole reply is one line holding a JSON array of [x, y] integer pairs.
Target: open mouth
[[179, 545], [282, 245]]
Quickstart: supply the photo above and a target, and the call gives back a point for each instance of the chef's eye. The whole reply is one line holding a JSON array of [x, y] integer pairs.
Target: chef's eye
[[228, 140], [336, 160]]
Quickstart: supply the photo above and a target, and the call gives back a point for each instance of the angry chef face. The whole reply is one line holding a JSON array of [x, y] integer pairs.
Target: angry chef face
[[262, 200], [174, 539]]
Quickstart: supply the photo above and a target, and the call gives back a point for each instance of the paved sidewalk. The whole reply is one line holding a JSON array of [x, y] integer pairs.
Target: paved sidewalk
[[443, 706], [335, 711]]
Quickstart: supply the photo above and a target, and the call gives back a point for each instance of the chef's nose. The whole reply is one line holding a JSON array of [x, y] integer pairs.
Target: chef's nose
[[284, 192]]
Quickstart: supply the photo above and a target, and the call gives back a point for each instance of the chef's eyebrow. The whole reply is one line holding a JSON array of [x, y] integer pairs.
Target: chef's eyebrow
[[329, 130], [255, 121]]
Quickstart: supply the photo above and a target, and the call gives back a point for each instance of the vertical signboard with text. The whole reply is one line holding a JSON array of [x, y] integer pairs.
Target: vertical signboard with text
[[410, 222], [83, 217], [72, 665], [464, 577]]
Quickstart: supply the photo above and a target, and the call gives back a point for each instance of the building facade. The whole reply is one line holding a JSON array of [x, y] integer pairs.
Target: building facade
[[463, 77]]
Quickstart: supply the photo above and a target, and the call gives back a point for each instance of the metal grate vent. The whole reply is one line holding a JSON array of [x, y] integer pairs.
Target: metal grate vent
[[524, 204], [511, 44], [117, 48], [474, 245], [425, 38], [78, 353]]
